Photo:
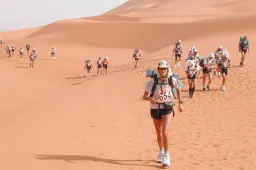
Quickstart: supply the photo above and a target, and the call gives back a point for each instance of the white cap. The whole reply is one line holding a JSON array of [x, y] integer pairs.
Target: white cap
[[195, 50], [163, 64], [226, 55], [212, 55], [107, 57], [190, 63], [179, 41], [220, 47]]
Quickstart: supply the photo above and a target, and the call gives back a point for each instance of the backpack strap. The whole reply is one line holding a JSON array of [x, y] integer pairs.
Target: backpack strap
[[171, 84], [154, 85]]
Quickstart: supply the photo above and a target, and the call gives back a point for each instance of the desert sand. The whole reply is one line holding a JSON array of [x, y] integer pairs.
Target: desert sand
[[53, 118]]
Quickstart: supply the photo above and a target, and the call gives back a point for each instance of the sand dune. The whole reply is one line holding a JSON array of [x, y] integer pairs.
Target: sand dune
[[52, 117], [150, 37]]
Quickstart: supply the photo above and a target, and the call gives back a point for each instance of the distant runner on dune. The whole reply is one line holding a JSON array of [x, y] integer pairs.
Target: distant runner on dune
[[243, 48], [1, 42], [28, 48], [32, 58], [191, 51], [158, 91], [21, 51], [13, 49], [99, 66], [105, 63], [88, 66], [136, 55], [53, 53], [9, 50], [177, 51]]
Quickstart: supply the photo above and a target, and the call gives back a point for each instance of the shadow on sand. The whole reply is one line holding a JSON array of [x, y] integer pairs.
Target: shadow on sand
[[72, 158]]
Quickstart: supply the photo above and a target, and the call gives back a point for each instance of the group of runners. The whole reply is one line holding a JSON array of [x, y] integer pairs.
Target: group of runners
[[102, 66], [159, 90], [10, 50]]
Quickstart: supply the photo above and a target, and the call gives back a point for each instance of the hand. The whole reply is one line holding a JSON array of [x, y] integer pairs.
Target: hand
[[152, 100], [180, 108]]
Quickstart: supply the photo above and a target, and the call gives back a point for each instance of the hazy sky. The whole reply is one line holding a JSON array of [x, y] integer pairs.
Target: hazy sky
[[20, 14]]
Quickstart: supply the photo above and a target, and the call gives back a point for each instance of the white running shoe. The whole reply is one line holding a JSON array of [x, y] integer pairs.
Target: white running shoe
[[166, 160], [160, 157], [175, 65], [178, 64], [222, 88]]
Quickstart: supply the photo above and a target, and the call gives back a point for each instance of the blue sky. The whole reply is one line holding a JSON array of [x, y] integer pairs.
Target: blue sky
[[21, 14]]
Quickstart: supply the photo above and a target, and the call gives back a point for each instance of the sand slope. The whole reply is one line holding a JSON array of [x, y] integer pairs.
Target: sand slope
[[52, 117]]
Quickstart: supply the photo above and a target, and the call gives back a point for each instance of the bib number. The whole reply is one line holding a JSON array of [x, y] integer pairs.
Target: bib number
[[165, 96]]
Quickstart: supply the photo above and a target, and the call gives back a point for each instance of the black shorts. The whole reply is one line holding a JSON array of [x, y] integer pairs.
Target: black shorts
[[177, 55], [225, 71], [13, 50], [206, 71], [244, 51], [99, 66], [193, 77], [27, 49], [137, 59], [105, 66], [157, 114]]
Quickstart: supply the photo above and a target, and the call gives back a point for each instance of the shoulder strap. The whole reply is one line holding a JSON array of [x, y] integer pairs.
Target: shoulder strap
[[154, 85], [171, 84], [170, 81]]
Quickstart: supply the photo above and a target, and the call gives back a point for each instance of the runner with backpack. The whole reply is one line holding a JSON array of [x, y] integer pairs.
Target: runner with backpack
[[177, 51], [88, 66], [28, 48], [32, 58], [105, 63], [219, 53], [158, 90], [9, 50], [191, 71], [99, 66], [223, 68], [136, 55], [207, 70], [243, 48], [1, 42], [53, 53], [21, 53], [13, 49]]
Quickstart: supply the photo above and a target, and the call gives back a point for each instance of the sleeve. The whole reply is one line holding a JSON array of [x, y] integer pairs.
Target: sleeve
[[186, 68], [175, 83], [148, 85]]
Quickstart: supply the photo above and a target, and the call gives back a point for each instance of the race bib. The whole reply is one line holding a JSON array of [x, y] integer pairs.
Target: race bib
[[165, 95]]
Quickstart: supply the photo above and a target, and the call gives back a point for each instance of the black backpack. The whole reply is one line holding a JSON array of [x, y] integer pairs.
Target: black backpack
[[201, 63]]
